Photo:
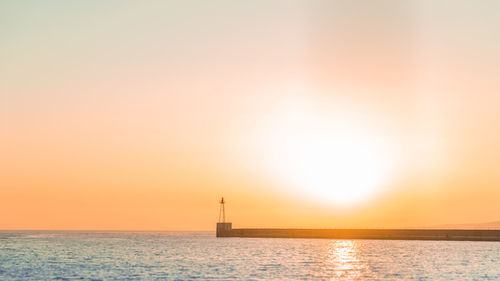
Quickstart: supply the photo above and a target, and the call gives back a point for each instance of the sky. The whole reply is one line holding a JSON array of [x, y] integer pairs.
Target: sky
[[125, 115]]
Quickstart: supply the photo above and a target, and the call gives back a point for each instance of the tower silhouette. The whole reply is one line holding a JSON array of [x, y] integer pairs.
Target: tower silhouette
[[223, 227], [222, 211]]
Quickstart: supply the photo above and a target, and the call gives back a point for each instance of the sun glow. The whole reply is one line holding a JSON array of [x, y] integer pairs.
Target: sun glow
[[328, 154]]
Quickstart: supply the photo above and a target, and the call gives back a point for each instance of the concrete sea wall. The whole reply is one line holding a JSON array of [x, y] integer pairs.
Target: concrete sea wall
[[384, 234]]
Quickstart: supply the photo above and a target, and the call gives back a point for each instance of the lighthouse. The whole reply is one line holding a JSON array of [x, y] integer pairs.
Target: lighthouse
[[223, 226]]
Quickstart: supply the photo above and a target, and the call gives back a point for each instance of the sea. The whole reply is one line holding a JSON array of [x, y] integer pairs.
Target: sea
[[97, 255]]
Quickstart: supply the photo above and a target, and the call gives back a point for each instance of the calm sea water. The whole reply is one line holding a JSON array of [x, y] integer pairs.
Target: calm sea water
[[187, 256]]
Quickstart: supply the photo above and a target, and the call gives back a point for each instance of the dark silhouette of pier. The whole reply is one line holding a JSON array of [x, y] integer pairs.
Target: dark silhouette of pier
[[226, 230]]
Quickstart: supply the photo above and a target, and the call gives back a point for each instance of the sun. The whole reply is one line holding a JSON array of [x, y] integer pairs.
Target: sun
[[328, 154]]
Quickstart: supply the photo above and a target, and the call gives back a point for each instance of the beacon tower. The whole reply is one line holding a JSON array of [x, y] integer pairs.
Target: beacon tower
[[222, 225]]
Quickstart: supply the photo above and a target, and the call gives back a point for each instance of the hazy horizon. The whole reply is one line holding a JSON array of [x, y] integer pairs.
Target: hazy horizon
[[302, 114], [486, 225]]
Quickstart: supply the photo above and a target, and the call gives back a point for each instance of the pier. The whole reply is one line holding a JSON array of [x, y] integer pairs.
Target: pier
[[224, 229]]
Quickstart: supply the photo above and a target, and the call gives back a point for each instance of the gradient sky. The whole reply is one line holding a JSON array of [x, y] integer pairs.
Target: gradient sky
[[126, 115]]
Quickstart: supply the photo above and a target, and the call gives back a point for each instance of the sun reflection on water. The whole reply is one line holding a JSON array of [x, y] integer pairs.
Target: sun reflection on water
[[343, 257]]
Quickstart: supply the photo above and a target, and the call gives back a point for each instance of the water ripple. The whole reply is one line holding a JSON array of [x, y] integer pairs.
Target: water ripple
[[201, 256]]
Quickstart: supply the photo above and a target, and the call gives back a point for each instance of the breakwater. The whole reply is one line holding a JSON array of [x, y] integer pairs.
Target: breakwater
[[226, 230]]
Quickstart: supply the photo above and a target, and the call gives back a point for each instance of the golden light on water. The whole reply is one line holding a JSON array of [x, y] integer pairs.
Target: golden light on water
[[343, 258]]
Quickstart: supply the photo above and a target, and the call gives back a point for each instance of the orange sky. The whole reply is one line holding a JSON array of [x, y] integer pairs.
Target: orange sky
[[120, 116]]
